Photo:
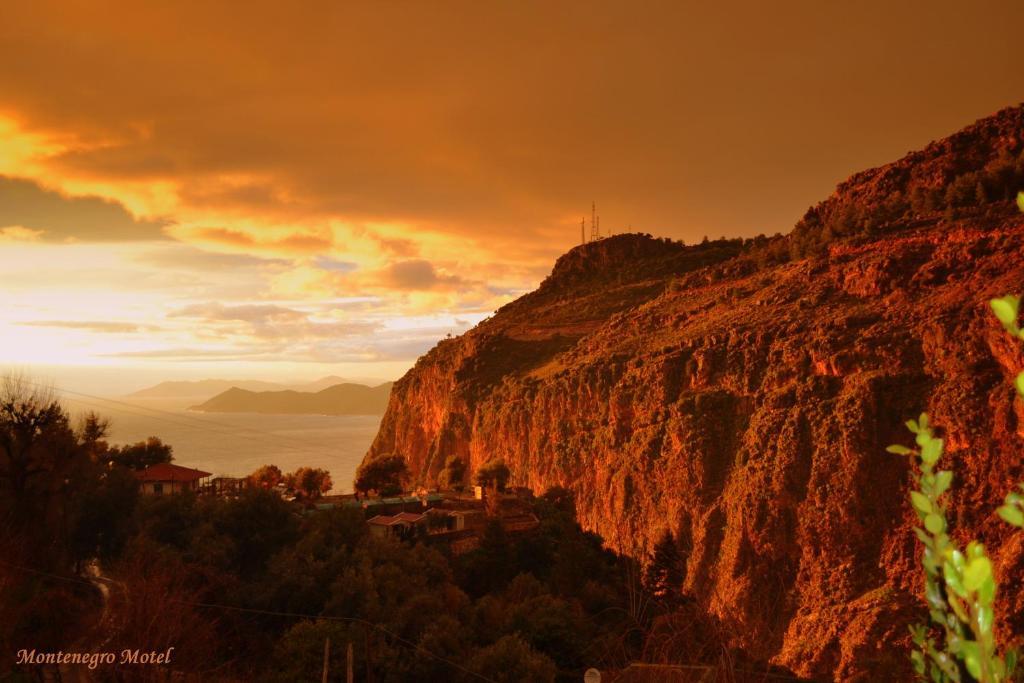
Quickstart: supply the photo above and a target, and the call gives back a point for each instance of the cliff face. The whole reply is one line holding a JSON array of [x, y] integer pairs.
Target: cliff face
[[748, 409]]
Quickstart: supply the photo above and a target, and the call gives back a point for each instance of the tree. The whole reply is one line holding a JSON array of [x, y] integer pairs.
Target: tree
[[101, 517], [386, 474], [139, 456], [92, 434], [267, 476], [667, 569], [454, 473], [35, 439], [510, 659], [493, 474], [309, 483], [46, 477]]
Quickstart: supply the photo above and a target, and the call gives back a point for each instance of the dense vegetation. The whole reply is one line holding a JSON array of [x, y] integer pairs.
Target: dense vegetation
[[990, 186], [251, 587]]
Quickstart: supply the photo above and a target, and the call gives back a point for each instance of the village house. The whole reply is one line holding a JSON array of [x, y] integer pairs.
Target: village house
[[165, 479], [404, 525]]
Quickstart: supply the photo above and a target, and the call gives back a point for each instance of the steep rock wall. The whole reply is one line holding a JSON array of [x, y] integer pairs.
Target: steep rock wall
[[748, 410]]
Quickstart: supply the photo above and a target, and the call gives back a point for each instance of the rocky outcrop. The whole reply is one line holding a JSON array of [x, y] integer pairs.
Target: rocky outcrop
[[747, 409]]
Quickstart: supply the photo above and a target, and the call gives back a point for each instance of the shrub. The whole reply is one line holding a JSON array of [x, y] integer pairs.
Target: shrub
[[960, 586]]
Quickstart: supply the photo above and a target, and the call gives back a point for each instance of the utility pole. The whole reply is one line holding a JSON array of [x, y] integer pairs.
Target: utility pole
[[583, 232], [327, 658]]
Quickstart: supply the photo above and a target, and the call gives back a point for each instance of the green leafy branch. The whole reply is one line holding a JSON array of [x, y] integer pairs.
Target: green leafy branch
[[960, 586]]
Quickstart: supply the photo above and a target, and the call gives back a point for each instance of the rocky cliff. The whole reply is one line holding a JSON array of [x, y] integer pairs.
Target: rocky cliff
[[745, 403]]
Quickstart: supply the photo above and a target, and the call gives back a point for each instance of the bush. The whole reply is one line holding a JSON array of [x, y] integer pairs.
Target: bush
[[511, 660], [960, 586]]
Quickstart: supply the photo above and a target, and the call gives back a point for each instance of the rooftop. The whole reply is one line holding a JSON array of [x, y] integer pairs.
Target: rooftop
[[391, 520], [165, 471]]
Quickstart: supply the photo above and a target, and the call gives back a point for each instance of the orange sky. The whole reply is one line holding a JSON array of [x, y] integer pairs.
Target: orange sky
[[284, 191]]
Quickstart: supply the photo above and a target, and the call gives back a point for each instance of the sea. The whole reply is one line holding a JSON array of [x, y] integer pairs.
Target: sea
[[236, 444]]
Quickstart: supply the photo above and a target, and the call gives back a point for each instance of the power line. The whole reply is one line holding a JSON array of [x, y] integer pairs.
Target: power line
[[293, 615], [200, 423]]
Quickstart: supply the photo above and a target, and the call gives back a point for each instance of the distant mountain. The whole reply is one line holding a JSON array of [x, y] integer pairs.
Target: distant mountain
[[340, 399], [318, 385], [206, 388], [202, 388]]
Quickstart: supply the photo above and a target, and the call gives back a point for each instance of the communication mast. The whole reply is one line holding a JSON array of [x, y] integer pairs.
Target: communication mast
[[595, 225], [583, 231]]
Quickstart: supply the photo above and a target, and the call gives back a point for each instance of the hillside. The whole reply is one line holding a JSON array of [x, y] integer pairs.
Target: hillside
[[742, 395], [340, 399], [206, 388]]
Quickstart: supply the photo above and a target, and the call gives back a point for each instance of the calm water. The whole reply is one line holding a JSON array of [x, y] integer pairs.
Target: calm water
[[235, 444]]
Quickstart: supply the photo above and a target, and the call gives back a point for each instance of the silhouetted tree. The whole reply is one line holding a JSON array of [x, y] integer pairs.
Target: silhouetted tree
[[386, 474], [667, 569], [36, 442], [267, 476], [309, 483], [92, 434], [510, 660], [493, 474], [454, 473], [139, 456]]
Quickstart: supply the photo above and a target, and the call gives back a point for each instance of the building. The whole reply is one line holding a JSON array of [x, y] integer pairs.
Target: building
[[225, 486], [165, 478], [404, 525]]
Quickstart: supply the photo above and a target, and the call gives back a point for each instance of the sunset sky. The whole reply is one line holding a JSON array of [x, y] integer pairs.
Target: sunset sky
[[288, 190]]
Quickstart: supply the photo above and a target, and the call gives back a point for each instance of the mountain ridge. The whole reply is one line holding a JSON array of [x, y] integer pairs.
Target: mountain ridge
[[339, 399], [206, 388], [741, 394]]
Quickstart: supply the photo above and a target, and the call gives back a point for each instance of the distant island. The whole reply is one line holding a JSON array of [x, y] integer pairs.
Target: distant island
[[207, 388], [340, 399]]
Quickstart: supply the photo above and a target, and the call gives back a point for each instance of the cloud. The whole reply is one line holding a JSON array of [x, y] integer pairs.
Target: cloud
[[18, 233], [397, 246], [326, 263], [181, 257], [252, 313], [300, 242], [103, 326], [416, 274], [271, 322], [486, 126], [195, 354], [56, 216]]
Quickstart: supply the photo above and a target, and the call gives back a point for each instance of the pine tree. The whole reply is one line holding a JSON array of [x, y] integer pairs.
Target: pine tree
[[667, 570]]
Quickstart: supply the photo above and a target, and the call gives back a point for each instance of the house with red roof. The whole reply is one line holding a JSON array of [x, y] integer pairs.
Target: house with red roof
[[165, 479]]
